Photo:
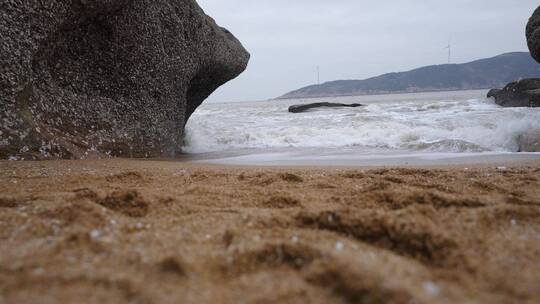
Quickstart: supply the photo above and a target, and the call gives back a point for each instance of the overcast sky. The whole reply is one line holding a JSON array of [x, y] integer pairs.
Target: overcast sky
[[357, 39]]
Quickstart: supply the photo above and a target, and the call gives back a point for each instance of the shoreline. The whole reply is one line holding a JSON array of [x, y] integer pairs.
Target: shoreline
[[284, 160], [287, 161], [366, 160]]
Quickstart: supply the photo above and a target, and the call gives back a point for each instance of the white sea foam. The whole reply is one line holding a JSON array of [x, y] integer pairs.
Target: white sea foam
[[439, 122]]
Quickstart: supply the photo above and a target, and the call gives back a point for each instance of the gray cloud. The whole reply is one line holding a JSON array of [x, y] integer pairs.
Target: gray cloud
[[355, 39]]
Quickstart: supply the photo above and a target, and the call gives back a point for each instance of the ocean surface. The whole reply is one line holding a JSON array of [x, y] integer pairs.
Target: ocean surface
[[428, 125]]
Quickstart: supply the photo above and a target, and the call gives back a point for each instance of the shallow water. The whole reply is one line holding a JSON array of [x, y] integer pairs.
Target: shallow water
[[442, 122]]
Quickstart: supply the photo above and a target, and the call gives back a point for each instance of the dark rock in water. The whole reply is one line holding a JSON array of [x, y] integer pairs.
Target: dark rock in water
[[493, 92], [533, 34], [118, 77], [526, 92], [523, 93], [305, 107]]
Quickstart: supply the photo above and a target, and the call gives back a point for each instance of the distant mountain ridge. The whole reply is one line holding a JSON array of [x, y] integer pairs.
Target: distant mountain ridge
[[480, 74]]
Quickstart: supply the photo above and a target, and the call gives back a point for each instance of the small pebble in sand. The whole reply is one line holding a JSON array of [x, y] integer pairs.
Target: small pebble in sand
[[295, 239], [94, 234], [340, 246], [39, 271], [431, 288], [513, 222]]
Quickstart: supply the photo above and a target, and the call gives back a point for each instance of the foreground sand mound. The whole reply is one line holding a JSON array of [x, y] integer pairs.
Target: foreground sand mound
[[161, 232]]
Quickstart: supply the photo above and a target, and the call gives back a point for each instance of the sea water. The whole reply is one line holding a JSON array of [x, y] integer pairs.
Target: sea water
[[428, 123]]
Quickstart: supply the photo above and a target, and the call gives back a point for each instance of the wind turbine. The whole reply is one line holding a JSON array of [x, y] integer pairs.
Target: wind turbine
[[449, 47]]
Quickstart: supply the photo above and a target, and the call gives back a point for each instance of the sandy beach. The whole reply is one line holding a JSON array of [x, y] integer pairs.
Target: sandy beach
[[366, 152], [129, 231]]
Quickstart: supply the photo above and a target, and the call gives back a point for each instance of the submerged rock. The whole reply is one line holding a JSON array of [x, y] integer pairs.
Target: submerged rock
[[523, 93], [305, 107], [533, 34], [115, 77]]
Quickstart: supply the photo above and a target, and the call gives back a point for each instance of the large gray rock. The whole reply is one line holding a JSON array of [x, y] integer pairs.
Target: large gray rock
[[526, 92], [533, 34], [523, 93], [118, 77]]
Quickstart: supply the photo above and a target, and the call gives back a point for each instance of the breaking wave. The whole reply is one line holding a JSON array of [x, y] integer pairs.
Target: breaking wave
[[411, 122]]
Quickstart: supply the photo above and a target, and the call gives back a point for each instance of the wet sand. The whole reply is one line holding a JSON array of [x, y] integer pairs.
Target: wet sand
[[125, 231], [354, 158]]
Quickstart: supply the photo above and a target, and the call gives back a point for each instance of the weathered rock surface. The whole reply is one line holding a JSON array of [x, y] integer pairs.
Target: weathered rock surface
[[533, 34], [523, 93], [305, 107], [118, 77]]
